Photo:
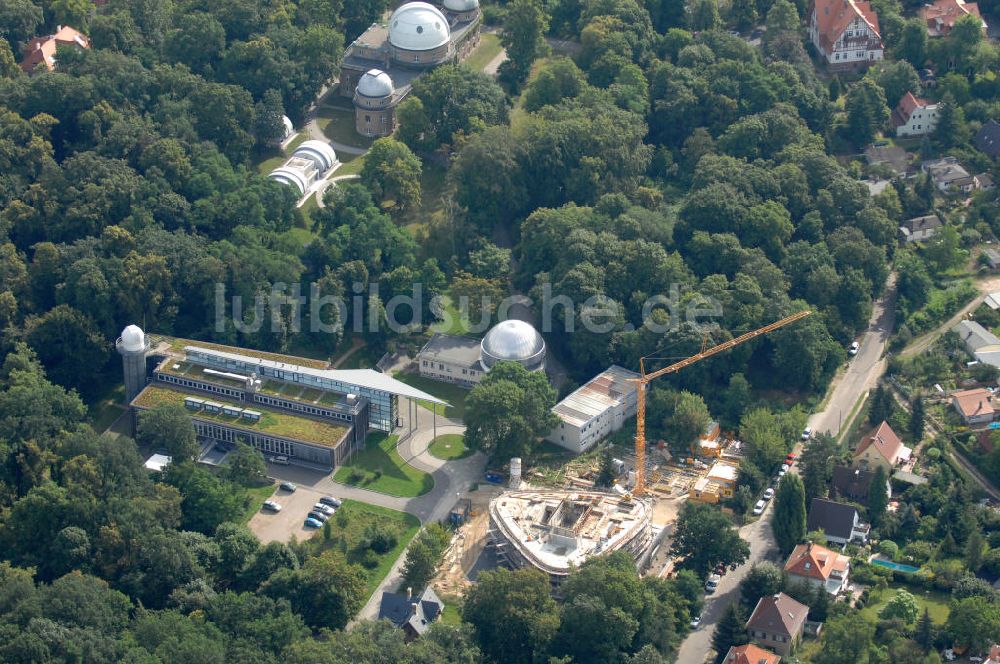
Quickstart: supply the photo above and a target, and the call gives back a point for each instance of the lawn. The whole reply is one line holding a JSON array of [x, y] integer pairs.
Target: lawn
[[450, 446], [452, 610], [352, 164], [936, 602], [380, 468], [489, 48], [255, 498], [349, 525], [457, 326], [453, 394], [337, 124], [106, 408]]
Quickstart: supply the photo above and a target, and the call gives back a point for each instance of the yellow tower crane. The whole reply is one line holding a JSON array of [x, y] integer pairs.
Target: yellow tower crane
[[646, 378]]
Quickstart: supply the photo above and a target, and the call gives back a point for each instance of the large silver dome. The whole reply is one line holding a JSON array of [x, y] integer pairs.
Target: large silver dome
[[418, 26], [513, 340]]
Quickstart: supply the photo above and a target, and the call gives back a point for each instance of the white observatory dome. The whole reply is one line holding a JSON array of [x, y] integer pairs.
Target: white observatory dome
[[286, 122], [375, 83], [513, 340], [133, 338], [418, 26], [461, 5]]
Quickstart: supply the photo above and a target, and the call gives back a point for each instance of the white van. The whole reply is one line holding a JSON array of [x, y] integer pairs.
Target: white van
[[712, 583]]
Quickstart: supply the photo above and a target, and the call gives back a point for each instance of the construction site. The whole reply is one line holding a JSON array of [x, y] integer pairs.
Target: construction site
[[553, 518], [556, 531]]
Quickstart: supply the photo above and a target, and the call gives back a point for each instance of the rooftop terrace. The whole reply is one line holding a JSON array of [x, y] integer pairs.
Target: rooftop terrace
[[272, 422]]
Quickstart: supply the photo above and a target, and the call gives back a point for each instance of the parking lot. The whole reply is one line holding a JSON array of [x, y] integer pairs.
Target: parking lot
[[271, 527]]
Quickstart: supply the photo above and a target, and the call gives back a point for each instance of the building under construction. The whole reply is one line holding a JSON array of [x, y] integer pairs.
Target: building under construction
[[556, 531]]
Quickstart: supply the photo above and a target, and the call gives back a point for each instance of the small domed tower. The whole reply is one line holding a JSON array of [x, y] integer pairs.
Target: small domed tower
[[461, 11], [374, 110], [132, 345]]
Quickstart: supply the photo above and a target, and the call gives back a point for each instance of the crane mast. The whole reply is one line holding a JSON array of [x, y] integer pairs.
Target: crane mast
[[646, 378]]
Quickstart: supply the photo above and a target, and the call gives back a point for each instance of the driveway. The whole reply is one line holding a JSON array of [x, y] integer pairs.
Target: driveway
[[864, 369], [922, 343], [451, 479], [698, 645]]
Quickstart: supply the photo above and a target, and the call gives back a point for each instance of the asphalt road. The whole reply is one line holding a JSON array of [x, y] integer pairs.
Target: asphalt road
[[864, 369], [697, 646], [862, 372]]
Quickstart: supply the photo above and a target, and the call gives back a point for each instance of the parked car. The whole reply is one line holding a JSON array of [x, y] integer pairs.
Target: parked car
[[781, 473], [271, 506], [720, 569], [853, 350], [280, 460], [288, 486], [695, 622], [758, 509], [790, 459], [313, 523], [712, 583], [319, 516], [325, 509], [807, 433], [330, 500], [784, 468], [769, 493]]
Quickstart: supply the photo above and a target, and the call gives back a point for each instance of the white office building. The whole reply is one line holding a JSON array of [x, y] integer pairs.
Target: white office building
[[595, 410]]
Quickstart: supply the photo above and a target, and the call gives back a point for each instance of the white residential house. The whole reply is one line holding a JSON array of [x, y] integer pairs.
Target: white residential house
[[949, 175], [914, 116], [846, 33]]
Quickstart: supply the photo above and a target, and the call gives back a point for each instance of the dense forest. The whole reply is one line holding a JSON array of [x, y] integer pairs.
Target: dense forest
[[664, 158]]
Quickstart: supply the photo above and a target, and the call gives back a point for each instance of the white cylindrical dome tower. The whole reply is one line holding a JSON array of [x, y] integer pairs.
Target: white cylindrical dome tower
[[375, 84], [132, 346]]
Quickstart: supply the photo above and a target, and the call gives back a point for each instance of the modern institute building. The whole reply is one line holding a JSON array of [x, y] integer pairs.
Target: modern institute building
[[282, 405], [380, 66], [556, 531], [465, 361]]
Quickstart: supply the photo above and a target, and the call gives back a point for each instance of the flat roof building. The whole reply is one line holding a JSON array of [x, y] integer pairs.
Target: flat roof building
[[595, 410], [311, 415], [555, 531]]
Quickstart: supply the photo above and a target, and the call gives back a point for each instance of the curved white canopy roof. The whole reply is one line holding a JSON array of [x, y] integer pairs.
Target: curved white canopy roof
[[418, 26], [291, 176], [318, 152]]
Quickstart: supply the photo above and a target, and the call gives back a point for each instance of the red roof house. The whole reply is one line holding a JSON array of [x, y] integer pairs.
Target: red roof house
[[846, 33], [819, 566], [882, 447], [42, 50], [914, 116], [750, 654], [941, 16]]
